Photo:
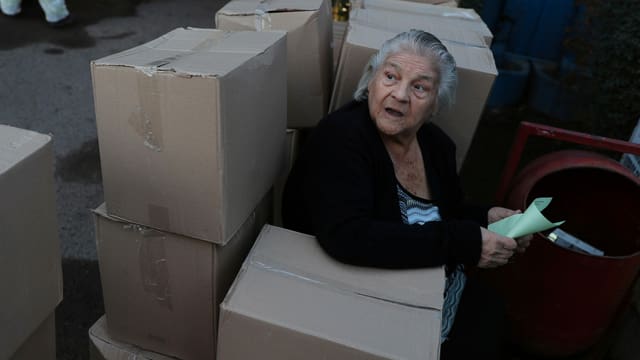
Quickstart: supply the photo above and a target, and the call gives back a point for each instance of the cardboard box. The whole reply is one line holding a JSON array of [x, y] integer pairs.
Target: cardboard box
[[293, 143], [339, 30], [309, 25], [437, 15], [191, 128], [398, 22], [41, 344], [358, 3], [292, 301], [476, 73], [104, 347], [30, 262], [162, 290]]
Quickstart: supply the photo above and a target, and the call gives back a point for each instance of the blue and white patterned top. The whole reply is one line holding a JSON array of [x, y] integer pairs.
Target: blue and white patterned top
[[419, 211]]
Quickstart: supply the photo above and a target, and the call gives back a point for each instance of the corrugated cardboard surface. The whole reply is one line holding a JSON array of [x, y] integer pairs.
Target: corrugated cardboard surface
[[439, 15], [476, 73], [189, 143], [162, 290], [309, 26], [41, 344], [293, 142], [30, 263], [104, 347], [291, 300], [398, 22]]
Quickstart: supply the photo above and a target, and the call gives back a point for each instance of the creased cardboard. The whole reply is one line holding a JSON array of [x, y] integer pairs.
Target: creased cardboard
[[191, 128], [309, 26], [41, 344], [291, 300], [476, 73], [437, 15], [30, 262], [103, 347], [162, 290]]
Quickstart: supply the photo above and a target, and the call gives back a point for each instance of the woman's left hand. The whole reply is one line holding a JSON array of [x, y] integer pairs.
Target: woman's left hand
[[498, 213]]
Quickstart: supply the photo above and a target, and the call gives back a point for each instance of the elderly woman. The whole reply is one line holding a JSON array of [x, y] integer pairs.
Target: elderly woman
[[377, 184]]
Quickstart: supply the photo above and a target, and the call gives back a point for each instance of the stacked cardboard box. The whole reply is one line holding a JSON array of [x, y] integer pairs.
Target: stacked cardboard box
[[369, 28], [309, 26], [191, 142], [295, 302], [30, 263], [104, 347]]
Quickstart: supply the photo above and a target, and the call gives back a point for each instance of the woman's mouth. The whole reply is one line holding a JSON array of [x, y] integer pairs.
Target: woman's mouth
[[393, 112]]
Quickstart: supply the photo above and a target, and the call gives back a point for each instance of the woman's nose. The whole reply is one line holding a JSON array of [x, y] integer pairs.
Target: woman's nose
[[400, 93]]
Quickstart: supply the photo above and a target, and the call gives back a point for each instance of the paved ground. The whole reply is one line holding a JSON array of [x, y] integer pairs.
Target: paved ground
[[45, 85]]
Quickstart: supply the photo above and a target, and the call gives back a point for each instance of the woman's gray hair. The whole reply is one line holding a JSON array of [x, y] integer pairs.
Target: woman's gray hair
[[421, 43]]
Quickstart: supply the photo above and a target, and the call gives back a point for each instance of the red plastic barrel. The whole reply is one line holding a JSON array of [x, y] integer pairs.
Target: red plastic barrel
[[559, 301]]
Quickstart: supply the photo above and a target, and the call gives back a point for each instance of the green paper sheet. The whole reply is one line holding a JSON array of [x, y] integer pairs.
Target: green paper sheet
[[529, 222]]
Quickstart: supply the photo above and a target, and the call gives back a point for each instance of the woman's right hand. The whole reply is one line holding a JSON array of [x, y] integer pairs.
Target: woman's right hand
[[496, 249]]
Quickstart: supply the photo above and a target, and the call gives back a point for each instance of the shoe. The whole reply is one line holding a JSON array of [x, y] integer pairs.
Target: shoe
[[66, 21]]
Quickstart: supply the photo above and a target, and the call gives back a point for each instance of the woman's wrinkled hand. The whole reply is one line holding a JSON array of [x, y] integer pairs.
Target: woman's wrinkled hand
[[496, 249], [497, 213]]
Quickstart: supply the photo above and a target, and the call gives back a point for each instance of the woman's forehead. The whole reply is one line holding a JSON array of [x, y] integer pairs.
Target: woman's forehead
[[410, 61]]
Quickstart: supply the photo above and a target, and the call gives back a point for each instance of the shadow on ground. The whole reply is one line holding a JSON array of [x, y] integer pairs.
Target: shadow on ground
[[81, 307]]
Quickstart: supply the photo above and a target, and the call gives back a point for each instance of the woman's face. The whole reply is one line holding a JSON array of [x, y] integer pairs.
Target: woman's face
[[403, 94]]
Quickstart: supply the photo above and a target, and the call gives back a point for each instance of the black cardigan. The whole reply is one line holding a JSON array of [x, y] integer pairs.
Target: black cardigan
[[342, 189]]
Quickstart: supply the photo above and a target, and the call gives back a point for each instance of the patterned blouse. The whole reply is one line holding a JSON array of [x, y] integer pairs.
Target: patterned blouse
[[416, 210]]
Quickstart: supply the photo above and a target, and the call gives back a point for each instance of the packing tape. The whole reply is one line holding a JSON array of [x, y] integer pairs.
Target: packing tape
[[146, 119], [263, 263], [262, 19], [153, 268], [154, 271]]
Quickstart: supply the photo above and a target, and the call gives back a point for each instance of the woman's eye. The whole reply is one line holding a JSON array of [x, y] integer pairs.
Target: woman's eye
[[390, 76]]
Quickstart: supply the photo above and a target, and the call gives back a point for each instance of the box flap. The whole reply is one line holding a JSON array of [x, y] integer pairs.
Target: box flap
[[18, 144], [194, 52], [467, 57], [398, 22], [422, 8], [249, 7], [299, 255]]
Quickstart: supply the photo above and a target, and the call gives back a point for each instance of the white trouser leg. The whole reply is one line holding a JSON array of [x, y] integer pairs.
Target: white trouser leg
[[54, 10], [10, 7]]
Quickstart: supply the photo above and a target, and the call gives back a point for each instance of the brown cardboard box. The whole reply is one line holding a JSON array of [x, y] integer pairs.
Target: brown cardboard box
[[358, 3], [293, 143], [104, 347], [398, 21], [30, 263], [162, 290], [191, 129], [476, 73], [41, 344], [436, 15], [292, 301], [339, 30], [308, 24]]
